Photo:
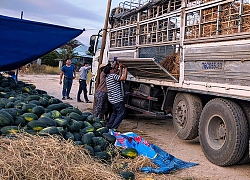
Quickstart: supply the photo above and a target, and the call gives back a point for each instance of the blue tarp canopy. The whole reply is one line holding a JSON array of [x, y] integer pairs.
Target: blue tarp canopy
[[23, 41]]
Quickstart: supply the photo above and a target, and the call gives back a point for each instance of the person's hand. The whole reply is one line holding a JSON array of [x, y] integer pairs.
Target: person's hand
[[120, 65], [60, 81]]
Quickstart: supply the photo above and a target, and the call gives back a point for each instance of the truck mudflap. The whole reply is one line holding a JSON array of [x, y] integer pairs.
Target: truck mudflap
[[147, 68]]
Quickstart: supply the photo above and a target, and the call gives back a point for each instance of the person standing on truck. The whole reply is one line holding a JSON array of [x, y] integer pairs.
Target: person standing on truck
[[69, 73], [115, 94], [101, 95], [82, 83]]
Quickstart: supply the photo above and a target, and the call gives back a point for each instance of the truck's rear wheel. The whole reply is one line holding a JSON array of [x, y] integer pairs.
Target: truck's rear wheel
[[246, 108], [186, 113], [223, 132]]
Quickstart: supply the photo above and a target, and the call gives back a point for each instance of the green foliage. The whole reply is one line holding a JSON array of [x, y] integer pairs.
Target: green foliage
[[67, 50], [50, 59]]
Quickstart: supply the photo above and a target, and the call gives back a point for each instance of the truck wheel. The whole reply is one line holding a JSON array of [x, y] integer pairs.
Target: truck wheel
[[186, 113], [246, 108], [223, 132]]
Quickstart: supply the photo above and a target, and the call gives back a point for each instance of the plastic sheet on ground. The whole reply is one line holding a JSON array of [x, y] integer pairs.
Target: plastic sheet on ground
[[166, 162]]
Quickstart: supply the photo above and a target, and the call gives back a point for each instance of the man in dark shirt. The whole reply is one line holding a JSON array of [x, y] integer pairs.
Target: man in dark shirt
[[69, 73]]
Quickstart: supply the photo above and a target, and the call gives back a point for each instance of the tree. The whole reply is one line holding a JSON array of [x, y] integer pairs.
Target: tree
[[67, 50], [50, 59]]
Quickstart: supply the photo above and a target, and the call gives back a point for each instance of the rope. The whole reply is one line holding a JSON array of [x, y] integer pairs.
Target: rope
[[174, 137]]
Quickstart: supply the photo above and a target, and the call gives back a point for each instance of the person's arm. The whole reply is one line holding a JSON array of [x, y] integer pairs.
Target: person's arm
[[124, 76], [61, 75], [74, 72], [120, 69]]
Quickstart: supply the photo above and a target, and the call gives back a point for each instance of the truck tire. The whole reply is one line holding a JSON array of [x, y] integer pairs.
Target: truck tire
[[186, 113], [246, 108], [223, 132]]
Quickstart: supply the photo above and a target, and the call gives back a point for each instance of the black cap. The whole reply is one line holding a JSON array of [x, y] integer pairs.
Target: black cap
[[107, 69]]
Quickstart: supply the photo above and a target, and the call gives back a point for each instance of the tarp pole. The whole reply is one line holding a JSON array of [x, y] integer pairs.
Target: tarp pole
[[17, 70], [103, 45]]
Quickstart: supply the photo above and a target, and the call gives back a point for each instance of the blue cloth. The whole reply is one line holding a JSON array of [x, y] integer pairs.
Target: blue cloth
[[68, 71], [132, 140], [23, 41], [166, 162], [14, 77]]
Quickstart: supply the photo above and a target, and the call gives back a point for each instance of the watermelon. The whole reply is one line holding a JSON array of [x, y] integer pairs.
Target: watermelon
[[5, 118], [49, 130], [30, 116], [128, 175], [129, 153], [36, 125], [9, 129]]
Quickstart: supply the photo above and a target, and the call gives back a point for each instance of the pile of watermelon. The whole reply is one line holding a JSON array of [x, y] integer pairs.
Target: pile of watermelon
[[25, 108]]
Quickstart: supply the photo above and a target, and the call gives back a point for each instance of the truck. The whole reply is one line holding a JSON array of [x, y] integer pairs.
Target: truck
[[190, 59]]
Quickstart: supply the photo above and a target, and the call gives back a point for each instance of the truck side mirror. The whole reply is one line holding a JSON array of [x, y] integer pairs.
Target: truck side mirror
[[92, 43]]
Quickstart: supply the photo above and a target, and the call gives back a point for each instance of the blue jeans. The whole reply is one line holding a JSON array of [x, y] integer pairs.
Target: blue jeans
[[116, 116], [67, 84]]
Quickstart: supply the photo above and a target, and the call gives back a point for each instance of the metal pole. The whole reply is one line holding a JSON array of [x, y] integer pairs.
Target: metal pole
[[17, 70], [103, 44]]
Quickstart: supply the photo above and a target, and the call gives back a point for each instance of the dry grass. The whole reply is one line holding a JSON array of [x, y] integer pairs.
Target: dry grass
[[52, 70], [171, 63], [46, 157], [40, 69], [35, 157]]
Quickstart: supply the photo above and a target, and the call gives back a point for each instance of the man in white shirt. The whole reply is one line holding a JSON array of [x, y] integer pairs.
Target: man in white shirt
[[82, 83]]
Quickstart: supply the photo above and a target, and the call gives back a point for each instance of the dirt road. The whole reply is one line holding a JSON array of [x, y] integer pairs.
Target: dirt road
[[158, 132]]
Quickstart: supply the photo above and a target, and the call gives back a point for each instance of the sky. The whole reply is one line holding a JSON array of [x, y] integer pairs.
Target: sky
[[88, 14]]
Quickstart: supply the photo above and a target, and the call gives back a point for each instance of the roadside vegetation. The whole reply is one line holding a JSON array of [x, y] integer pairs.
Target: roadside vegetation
[[50, 62], [40, 69]]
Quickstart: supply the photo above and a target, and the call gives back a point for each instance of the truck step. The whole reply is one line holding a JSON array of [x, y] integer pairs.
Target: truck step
[[148, 113]]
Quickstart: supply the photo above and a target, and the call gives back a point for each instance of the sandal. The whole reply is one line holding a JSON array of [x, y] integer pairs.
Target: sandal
[[88, 102], [69, 98]]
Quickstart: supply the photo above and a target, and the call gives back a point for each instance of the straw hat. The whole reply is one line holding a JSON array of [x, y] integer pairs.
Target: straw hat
[[102, 65]]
